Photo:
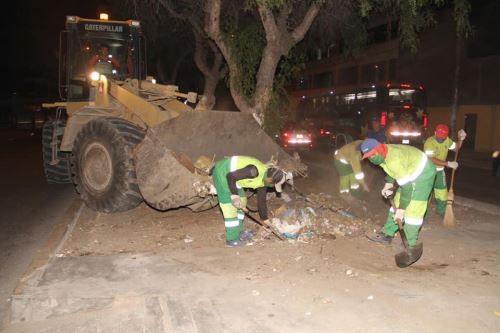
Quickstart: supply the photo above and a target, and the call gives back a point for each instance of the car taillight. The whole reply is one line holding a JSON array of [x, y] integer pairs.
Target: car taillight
[[285, 134], [406, 106], [425, 121], [383, 119], [322, 131]]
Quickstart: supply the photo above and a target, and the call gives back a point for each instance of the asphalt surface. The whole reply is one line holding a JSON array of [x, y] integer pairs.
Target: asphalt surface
[[29, 207], [473, 180]]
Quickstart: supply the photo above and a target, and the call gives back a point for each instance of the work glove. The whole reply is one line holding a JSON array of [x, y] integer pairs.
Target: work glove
[[236, 201], [461, 135], [452, 164], [399, 215], [388, 190]]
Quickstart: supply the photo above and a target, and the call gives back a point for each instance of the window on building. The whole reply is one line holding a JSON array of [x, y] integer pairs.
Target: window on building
[[348, 75], [303, 83], [322, 80], [393, 73]]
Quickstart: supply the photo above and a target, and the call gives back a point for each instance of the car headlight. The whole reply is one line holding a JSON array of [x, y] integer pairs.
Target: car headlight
[[496, 154]]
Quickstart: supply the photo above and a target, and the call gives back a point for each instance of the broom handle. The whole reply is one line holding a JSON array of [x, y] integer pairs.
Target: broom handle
[[453, 172]]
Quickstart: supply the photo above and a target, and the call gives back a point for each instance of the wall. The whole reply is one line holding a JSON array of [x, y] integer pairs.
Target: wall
[[487, 127]]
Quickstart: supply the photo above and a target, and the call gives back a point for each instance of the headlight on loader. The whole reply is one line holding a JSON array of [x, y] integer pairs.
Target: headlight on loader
[[94, 76]]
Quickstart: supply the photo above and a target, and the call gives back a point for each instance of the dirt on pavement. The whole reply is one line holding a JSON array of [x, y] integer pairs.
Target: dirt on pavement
[[344, 282]]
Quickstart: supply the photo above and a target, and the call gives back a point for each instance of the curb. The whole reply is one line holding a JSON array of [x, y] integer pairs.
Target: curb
[[48, 250], [478, 205]]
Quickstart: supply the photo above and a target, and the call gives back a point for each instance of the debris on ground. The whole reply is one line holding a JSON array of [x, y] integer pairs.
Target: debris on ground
[[315, 217]]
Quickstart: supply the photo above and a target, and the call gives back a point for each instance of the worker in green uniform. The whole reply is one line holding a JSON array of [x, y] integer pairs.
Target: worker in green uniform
[[231, 176], [347, 161], [414, 173], [436, 148]]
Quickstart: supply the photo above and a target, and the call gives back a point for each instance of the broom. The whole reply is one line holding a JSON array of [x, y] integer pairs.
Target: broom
[[449, 216]]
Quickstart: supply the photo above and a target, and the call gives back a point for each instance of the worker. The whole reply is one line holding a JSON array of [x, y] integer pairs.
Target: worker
[[414, 173], [436, 148], [233, 174], [103, 62], [347, 161]]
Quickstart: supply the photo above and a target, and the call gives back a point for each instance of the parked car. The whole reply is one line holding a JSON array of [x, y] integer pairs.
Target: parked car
[[326, 137], [496, 163], [295, 137]]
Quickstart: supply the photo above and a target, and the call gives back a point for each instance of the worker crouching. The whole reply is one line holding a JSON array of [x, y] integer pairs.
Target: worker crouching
[[231, 176], [347, 161]]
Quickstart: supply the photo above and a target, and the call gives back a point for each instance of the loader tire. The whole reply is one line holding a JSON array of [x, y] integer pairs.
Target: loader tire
[[58, 171], [103, 167]]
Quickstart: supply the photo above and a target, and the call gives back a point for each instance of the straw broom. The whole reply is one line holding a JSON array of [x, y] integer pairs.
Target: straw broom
[[449, 217]]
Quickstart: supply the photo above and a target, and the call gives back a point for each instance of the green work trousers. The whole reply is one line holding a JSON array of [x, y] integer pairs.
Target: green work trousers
[[233, 218], [440, 192], [414, 213], [347, 180]]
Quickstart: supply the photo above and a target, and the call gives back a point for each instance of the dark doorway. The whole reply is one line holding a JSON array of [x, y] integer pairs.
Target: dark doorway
[[470, 129]]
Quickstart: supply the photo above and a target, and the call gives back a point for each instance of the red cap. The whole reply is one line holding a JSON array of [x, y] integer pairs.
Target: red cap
[[442, 131]]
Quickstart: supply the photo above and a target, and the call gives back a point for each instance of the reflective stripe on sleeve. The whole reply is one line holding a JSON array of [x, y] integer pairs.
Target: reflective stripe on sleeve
[[430, 152], [359, 176], [343, 161], [453, 146], [415, 174], [234, 163], [354, 186]]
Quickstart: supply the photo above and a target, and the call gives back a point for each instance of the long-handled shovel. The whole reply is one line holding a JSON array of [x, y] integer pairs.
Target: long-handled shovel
[[449, 215], [409, 255]]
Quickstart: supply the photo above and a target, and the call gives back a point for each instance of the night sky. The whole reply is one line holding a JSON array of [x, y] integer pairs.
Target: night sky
[[36, 39], [33, 32]]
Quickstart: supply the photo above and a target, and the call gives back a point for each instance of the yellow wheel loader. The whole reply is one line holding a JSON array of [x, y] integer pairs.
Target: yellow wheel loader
[[121, 138]]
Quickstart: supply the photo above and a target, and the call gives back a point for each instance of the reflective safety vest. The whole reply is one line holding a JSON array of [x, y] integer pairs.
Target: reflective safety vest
[[239, 162], [351, 155], [404, 163], [439, 150]]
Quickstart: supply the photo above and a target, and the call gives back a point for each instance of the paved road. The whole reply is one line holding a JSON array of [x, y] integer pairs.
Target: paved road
[[477, 183], [28, 210]]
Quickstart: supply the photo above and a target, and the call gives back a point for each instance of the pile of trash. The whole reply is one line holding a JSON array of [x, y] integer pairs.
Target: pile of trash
[[315, 216]]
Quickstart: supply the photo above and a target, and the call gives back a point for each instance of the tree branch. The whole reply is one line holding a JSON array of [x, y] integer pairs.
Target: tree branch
[[300, 31], [267, 18]]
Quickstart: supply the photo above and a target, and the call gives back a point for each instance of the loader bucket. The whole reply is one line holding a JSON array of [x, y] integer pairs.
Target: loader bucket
[[164, 159]]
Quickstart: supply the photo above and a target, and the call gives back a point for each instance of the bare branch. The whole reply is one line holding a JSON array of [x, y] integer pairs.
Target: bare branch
[[267, 18], [300, 31]]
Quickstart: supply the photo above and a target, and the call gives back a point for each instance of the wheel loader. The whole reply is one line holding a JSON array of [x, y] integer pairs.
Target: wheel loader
[[122, 139]]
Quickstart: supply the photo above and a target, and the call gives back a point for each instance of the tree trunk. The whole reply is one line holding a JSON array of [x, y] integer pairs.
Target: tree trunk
[[207, 101], [279, 42], [456, 82]]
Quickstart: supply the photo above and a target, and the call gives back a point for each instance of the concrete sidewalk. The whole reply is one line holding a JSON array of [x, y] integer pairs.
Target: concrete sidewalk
[[138, 293]]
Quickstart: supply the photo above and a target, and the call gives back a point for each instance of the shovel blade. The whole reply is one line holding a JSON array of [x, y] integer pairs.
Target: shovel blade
[[409, 255]]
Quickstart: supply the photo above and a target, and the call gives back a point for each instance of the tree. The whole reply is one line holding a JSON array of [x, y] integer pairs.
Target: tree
[[206, 55], [280, 37], [286, 22]]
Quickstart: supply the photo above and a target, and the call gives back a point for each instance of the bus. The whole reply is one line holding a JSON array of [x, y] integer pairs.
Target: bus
[[400, 108]]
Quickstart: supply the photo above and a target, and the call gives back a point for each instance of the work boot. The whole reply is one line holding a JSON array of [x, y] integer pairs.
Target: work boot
[[247, 235], [235, 243], [380, 237]]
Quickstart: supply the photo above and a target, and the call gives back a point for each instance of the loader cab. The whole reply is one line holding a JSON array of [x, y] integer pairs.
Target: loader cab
[[115, 49]]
